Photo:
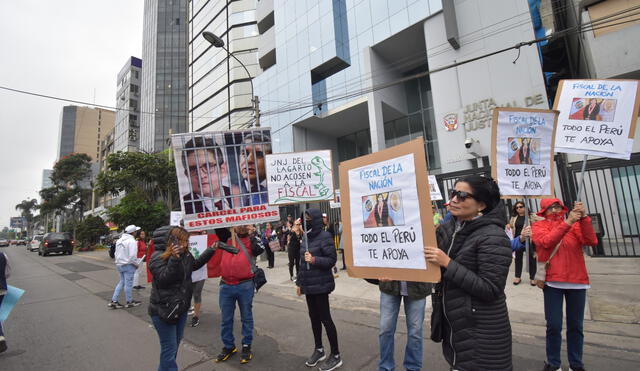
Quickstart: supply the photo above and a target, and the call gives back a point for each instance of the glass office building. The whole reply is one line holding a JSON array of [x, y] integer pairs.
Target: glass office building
[[220, 95], [164, 76]]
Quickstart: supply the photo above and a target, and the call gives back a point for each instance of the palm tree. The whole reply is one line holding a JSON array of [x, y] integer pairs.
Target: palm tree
[[26, 208]]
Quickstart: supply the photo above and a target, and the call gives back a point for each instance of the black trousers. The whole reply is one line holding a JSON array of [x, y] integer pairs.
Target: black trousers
[[270, 256], [532, 262], [320, 314], [294, 260]]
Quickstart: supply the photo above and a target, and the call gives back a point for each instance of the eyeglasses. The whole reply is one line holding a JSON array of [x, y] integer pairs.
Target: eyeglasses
[[460, 195], [519, 207], [194, 170]]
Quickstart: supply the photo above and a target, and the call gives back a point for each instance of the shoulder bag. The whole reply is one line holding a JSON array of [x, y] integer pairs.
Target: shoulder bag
[[542, 267], [259, 278], [436, 313], [170, 310]]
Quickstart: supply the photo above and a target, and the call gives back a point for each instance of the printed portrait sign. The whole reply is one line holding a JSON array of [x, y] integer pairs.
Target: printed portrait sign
[[386, 214], [299, 177], [597, 117], [434, 189], [222, 178], [335, 203], [522, 155]]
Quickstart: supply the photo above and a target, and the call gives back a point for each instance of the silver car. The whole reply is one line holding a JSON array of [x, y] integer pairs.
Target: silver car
[[34, 245]]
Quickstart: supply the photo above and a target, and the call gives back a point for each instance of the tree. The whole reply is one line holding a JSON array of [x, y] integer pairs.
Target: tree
[[135, 208], [27, 207], [136, 171], [71, 189], [90, 229]]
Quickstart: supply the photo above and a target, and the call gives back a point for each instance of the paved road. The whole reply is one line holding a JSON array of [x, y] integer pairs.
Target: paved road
[[62, 323]]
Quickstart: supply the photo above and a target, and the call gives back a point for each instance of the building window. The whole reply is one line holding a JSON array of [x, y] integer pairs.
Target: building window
[[354, 145]]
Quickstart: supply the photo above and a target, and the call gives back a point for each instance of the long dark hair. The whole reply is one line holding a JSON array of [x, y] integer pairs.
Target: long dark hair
[[175, 235], [514, 210], [484, 189]]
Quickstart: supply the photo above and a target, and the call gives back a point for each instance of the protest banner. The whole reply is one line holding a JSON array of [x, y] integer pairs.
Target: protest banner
[[387, 215], [335, 204], [222, 178], [175, 217], [434, 189], [522, 151], [597, 117], [299, 177]]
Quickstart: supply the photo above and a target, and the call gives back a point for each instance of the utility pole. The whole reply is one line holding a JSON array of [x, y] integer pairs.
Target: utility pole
[[256, 108]]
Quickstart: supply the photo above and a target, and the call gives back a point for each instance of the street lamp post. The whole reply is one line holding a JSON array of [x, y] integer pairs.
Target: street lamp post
[[219, 43]]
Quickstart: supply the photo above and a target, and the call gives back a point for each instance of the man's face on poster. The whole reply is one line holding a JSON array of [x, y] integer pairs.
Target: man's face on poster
[[205, 180], [252, 164]]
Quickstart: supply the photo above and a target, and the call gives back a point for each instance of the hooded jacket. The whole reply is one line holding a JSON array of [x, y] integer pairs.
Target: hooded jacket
[[236, 268], [318, 278], [568, 263], [126, 250], [172, 277], [476, 327]]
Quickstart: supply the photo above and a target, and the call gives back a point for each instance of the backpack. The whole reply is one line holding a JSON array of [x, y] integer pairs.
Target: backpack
[[112, 250]]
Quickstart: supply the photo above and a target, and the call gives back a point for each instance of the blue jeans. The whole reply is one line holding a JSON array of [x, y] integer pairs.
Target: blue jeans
[[1, 331], [229, 295], [414, 311], [553, 300], [170, 336], [126, 279]]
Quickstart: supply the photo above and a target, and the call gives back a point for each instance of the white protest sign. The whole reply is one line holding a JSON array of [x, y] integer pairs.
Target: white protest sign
[[434, 189], [522, 155], [175, 218], [299, 177], [197, 245], [385, 217], [335, 204], [596, 117]]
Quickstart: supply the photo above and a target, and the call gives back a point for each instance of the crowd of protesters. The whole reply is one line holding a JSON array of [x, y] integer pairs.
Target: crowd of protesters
[[476, 245]]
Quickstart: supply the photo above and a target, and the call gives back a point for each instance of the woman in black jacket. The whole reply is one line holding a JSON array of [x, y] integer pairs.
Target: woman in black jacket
[[171, 265], [293, 248], [315, 281], [474, 254]]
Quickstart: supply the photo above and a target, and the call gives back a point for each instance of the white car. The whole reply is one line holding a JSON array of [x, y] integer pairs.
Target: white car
[[34, 245]]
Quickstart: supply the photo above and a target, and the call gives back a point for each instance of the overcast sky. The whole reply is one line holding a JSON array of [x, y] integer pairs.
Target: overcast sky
[[67, 48]]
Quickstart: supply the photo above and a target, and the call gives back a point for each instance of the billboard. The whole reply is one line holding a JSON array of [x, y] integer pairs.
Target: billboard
[[222, 178], [18, 222]]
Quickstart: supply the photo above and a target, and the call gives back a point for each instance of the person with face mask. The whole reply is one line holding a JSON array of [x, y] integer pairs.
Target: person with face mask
[[315, 280], [566, 276]]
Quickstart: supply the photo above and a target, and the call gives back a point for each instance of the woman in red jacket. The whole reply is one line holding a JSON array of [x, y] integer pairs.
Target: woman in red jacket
[[142, 251], [566, 278]]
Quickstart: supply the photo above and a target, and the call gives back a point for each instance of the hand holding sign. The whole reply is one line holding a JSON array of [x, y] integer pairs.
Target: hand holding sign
[[436, 256]]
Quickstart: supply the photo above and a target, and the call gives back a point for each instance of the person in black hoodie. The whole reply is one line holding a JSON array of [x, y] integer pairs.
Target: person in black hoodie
[[315, 281], [474, 255], [171, 266]]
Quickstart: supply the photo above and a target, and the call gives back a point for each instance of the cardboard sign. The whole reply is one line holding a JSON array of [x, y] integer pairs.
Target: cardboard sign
[[299, 177], [386, 214], [434, 189], [335, 204], [597, 117], [522, 155], [175, 217], [222, 178]]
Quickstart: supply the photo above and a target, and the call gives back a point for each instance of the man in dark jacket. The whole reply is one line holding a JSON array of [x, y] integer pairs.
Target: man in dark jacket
[[236, 286], [392, 293]]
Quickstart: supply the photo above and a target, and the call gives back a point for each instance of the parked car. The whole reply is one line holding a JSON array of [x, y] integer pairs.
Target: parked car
[[34, 245], [56, 242], [13, 242], [4, 243], [22, 242]]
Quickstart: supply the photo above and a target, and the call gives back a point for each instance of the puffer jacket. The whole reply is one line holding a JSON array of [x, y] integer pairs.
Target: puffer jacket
[[172, 277], [476, 328], [318, 279], [568, 263]]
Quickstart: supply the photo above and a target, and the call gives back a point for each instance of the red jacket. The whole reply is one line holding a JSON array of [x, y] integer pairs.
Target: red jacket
[[142, 248], [236, 268], [568, 263]]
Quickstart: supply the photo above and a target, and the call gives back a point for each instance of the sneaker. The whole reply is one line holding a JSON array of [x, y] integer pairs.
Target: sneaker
[[115, 305], [576, 369], [195, 321], [317, 356], [138, 287], [331, 363], [131, 304], [246, 354], [3, 344], [225, 354], [548, 367]]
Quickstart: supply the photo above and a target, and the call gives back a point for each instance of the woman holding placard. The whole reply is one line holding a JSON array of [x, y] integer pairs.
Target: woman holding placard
[[474, 255], [522, 232]]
